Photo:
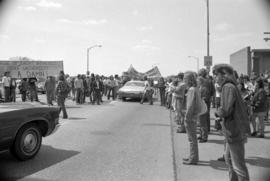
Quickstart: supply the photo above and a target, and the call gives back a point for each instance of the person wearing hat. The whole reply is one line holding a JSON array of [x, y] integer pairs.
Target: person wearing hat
[[235, 122]]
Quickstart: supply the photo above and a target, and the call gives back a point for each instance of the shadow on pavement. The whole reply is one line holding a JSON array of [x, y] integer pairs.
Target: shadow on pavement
[[72, 107], [214, 164], [75, 118], [12, 169], [155, 124], [258, 161], [216, 141]]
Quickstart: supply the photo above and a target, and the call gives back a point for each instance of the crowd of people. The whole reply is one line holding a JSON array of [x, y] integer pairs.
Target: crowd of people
[[94, 87], [241, 104], [26, 86]]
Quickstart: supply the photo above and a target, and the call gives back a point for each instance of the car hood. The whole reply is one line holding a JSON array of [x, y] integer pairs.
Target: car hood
[[6, 107], [131, 89]]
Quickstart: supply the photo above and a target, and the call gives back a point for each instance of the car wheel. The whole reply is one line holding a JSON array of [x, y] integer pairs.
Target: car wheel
[[123, 99], [27, 142]]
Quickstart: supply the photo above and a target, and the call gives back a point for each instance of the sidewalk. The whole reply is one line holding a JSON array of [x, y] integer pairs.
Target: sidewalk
[[209, 169]]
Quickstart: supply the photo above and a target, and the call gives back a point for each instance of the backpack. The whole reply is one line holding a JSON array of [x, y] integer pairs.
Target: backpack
[[66, 89]]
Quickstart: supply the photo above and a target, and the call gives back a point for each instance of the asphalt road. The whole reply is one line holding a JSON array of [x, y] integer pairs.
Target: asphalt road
[[114, 141]]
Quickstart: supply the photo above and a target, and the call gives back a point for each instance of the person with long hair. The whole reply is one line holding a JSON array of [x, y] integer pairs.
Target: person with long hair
[[191, 117], [235, 124]]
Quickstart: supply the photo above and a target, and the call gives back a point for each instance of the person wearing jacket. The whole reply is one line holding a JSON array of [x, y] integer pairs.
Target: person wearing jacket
[[13, 86], [259, 109], [191, 117], [235, 125], [6, 83], [33, 89], [61, 95], [179, 93], [98, 87], [78, 85], [161, 87], [23, 88], [211, 90], [50, 89], [203, 118]]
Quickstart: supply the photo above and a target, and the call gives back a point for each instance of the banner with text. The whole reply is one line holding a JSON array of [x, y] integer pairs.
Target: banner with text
[[26, 69]]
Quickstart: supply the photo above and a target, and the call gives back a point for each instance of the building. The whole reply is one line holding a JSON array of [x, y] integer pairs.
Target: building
[[247, 60]]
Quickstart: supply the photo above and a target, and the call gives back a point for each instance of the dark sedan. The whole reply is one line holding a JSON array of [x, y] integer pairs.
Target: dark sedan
[[132, 89], [23, 125]]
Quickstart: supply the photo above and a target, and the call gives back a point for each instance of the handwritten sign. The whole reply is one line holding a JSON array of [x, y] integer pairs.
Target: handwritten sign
[[26, 69]]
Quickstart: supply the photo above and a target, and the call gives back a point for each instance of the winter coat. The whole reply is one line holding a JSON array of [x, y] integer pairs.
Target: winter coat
[[234, 114]]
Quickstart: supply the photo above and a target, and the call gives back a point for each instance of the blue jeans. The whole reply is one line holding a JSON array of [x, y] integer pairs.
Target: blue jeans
[[203, 126], [61, 104], [192, 138], [235, 160]]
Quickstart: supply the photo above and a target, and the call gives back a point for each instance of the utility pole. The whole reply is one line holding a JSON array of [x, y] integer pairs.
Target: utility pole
[[208, 58], [208, 33]]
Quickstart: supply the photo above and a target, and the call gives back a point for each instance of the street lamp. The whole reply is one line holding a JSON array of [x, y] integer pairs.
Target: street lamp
[[88, 49], [196, 58]]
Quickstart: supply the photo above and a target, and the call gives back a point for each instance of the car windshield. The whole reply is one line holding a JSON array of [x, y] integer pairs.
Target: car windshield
[[140, 84]]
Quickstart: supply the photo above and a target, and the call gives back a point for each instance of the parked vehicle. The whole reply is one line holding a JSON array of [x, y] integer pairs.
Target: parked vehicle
[[131, 89], [23, 125]]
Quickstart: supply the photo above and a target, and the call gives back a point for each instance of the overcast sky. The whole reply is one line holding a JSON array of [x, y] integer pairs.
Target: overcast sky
[[143, 33]]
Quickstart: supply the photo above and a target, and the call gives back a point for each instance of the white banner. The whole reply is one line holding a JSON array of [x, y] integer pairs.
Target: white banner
[[26, 69]]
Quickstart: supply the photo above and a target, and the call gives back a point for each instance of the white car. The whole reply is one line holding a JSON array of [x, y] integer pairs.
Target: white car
[[132, 89]]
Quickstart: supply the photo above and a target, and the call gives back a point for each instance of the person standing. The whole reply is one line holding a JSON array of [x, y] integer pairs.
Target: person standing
[[161, 87], [13, 86], [259, 108], [85, 89], [111, 87], [235, 124], [33, 89], [91, 89], [6, 83], [169, 87], [73, 91], [211, 90], [191, 117], [23, 89], [98, 87], [105, 83], [61, 94], [78, 85], [49, 88], [148, 91], [203, 118], [179, 92]]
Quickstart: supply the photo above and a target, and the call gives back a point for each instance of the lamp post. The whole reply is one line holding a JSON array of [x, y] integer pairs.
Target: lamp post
[[196, 58], [88, 49]]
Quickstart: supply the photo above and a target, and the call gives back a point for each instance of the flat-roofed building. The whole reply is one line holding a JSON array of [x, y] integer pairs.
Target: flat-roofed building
[[247, 60]]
